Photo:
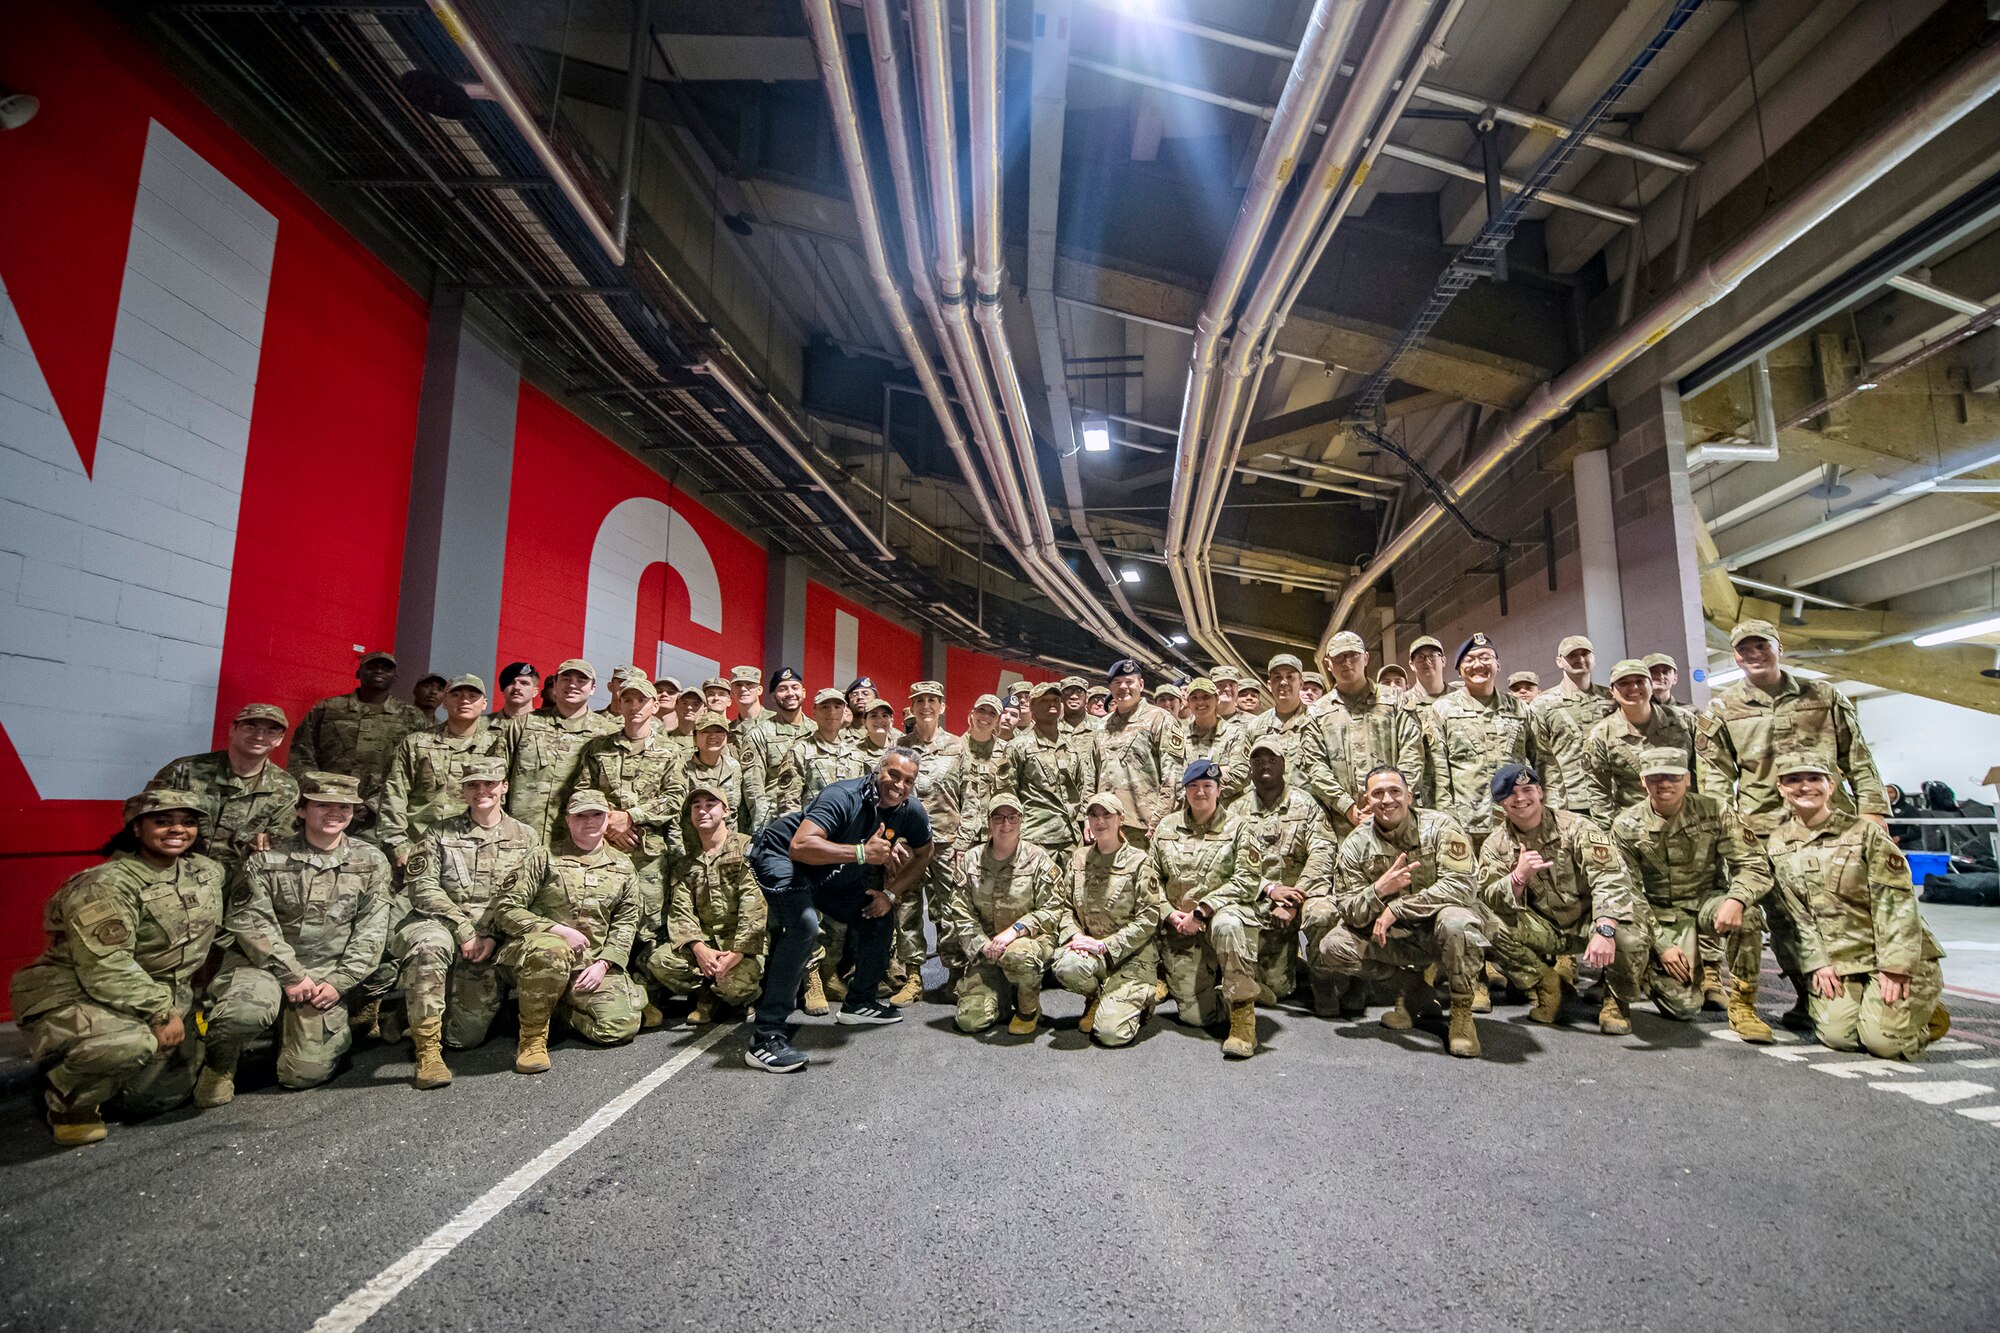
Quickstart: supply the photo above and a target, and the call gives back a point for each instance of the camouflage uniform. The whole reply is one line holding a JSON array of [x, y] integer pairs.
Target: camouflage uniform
[[1052, 778], [345, 735], [1226, 746], [425, 784], [938, 794], [1472, 739], [1686, 866], [544, 752], [1111, 899], [1850, 893], [1304, 744], [1437, 916], [1584, 883], [1611, 759], [727, 778], [750, 741], [1140, 763], [1559, 721], [647, 779], [809, 765], [295, 912], [235, 812], [1192, 867], [124, 942], [1276, 842], [591, 892], [713, 898], [987, 896], [974, 779], [1360, 734], [451, 878]]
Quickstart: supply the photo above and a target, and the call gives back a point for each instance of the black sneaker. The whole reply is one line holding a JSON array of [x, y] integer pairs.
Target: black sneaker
[[869, 1013], [774, 1055]]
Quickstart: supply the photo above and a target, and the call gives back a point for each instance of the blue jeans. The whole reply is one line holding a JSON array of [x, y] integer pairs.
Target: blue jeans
[[795, 912]]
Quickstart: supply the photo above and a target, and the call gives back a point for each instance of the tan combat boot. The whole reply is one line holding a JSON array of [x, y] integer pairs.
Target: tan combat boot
[[1544, 1001], [1089, 1019], [912, 988], [428, 1038], [1409, 1000], [1712, 994], [1027, 1010], [216, 1087], [815, 1002], [703, 1012], [834, 987], [367, 1021], [1241, 1043], [1743, 1015], [73, 1129], [1940, 1021], [1464, 1035], [1614, 1016], [1159, 990], [531, 1050]]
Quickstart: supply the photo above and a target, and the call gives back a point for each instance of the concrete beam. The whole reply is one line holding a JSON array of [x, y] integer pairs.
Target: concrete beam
[[1898, 323], [1581, 433], [1973, 549], [1864, 545]]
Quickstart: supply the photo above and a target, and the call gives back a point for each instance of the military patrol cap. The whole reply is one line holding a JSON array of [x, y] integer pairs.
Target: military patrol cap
[[786, 675], [927, 687], [1347, 641], [1753, 629], [467, 682], [587, 800], [1314, 678], [1199, 683], [714, 683], [1798, 761], [1266, 743], [330, 788], [1476, 640], [641, 684], [991, 701], [619, 673], [1201, 770], [879, 705], [1283, 660], [1100, 691], [1124, 666], [1003, 801], [379, 655], [859, 683], [829, 695], [484, 768], [688, 692], [667, 687], [1630, 666], [1388, 667], [1073, 683], [1249, 686], [707, 789], [1528, 678], [707, 718], [155, 799], [513, 671], [1221, 674], [1662, 660], [1572, 643], [577, 664], [1511, 776], [1167, 691], [433, 676], [745, 675], [261, 713], [1662, 761], [1422, 642], [1107, 802], [1040, 688]]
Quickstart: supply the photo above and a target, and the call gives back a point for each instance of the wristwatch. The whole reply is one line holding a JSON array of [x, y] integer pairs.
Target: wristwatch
[[1606, 929]]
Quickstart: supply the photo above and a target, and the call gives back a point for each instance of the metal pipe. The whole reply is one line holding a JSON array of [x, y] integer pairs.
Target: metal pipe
[[545, 153], [1966, 86], [637, 57], [1624, 217]]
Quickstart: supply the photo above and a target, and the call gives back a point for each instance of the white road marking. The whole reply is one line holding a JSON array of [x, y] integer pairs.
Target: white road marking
[[1865, 1067], [1990, 1114], [386, 1285], [1990, 1062], [1937, 1094], [1956, 1044]]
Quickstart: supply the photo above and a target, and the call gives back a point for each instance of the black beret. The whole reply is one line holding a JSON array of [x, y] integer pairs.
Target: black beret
[[1476, 641], [1511, 776]]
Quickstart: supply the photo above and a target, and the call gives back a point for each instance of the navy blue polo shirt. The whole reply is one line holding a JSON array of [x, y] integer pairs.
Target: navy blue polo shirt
[[847, 812]]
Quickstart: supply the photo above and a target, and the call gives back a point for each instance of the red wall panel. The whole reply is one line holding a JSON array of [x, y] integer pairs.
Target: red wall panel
[[969, 673], [886, 652]]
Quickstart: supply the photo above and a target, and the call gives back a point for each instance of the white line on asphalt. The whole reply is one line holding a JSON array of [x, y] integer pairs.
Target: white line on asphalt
[[386, 1285], [1990, 1114], [1956, 1044], [1937, 1094], [1991, 1062]]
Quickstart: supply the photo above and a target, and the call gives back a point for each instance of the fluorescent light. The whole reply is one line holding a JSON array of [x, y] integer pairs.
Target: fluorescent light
[[1729, 677], [1129, 573], [1970, 630], [1967, 486], [1096, 436], [1178, 640]]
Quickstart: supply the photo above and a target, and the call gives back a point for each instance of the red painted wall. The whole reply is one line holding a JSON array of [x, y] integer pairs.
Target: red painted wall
[[969, 673], [887, 653]]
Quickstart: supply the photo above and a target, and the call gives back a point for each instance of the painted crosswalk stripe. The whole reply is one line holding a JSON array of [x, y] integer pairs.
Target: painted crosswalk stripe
[[1937, 1094], [1990, 1114], [1956, 1044], [1991, 1062]]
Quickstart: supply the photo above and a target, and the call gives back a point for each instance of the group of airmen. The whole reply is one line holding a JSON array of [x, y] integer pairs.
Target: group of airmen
[[1396, 834]]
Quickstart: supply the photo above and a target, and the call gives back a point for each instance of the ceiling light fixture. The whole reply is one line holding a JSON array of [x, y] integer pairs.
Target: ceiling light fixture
[[1096, 435], [1953, 634], [1129, 573], [1178, 640]]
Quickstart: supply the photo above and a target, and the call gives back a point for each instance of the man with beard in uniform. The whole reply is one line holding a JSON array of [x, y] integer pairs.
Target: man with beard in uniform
[[357, 734], [1559, 724]]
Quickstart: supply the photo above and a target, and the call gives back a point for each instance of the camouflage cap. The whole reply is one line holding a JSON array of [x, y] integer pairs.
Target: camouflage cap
[[1043, 687], [1390, 668], [1347, 641], [745, 675], [707, 718], [577, 664], [379, 655], [1167, 691], [1753, 629], [1800, 761], [929, 688], [1630, 666], [330, 788], [625, 672], [1266, 743], [1225, 675], [155, 799], [467, 682], [1572, 643], [714, 683], [1006, 800], [668, 686], [1073, 683], [636, 683], [1281, 661], [1249, 686], [586, 800], [1524, 678], [707, 789], [829, 695], [878, 705], [1314, 678], [261, 713], [1662, 660], [483, 768], [1422, 642], [1663, 761], [1100, 691], [689, 692], [991, 701], [1107, 802], [1201, 684]]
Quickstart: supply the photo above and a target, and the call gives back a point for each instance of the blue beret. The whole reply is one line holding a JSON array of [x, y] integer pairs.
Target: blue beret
[[1201, 769]]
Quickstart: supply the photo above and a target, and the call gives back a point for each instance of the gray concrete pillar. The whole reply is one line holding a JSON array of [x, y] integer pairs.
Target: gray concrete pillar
[[1597, 544], [455, 544], [1659, 567], [934, 646], [785, 619]]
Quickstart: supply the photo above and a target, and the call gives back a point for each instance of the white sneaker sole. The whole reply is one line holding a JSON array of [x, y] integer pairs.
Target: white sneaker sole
[[866, 1020], [750, 1058]]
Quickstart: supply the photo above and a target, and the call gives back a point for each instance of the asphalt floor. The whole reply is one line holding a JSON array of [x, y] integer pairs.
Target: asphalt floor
[[914, 1178]]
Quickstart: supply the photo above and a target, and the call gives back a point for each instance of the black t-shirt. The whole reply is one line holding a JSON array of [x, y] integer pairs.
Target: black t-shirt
[[846, 812]]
